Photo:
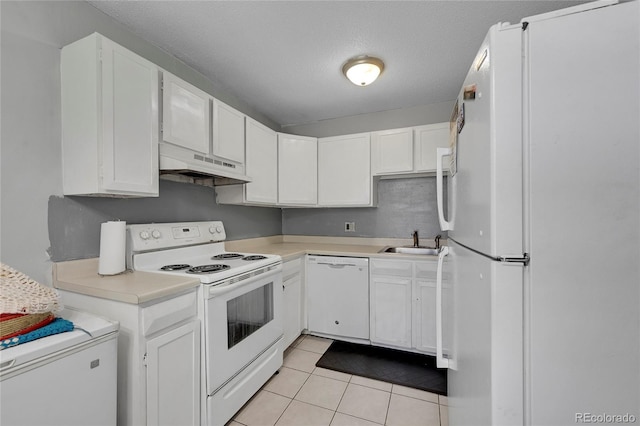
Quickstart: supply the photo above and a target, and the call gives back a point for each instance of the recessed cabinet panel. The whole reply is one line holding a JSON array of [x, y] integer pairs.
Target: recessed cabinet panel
[[130, 99], [344, 171], [392, 151], [185, 114], [110, 122], [173, 363], [261, 164], [228, 132], [297, 170], [391, 311], [427, 140]]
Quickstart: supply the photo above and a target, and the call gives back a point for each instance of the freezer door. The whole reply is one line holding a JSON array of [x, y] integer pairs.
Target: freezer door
[[486, 386], [485, 193], [584, 280], [75, 386]]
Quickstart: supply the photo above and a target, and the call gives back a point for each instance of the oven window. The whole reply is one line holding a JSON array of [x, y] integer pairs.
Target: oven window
[[248, 312]]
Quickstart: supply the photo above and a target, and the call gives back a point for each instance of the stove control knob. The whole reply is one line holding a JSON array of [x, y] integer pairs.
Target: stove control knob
[[144, 235], [212, 229], [219, 229], [156, 234]]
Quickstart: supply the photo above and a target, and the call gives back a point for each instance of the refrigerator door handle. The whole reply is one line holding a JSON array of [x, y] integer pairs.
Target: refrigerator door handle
[[441, 361], [440, 154]]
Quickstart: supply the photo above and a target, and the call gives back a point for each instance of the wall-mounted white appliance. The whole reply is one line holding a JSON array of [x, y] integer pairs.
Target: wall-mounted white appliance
[[543, 222]]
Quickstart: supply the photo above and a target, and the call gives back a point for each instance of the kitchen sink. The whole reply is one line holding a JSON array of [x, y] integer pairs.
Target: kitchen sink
[[432, 251]]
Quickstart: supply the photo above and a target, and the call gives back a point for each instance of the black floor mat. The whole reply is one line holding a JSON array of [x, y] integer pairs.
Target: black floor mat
[[389, 365]]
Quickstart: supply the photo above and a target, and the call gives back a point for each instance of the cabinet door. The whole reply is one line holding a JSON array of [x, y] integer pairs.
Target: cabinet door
[[427, 140], [185, 114], [262, 163], [130, 122], [292, 304], [297, 170], [228, 132], [424, 318], [173, 377], [390, 299], [344, 171], [392, 151]]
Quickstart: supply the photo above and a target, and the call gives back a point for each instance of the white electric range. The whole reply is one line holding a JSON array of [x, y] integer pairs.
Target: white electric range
[[239, 305]]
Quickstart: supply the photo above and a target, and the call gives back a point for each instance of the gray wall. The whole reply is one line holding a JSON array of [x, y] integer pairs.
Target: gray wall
[[74, 222], [404, 205]]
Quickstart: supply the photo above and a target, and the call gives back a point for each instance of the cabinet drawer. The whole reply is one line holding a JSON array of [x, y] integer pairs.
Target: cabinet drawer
[[395, 268], [291, 268], [165, 314], [426, 270]]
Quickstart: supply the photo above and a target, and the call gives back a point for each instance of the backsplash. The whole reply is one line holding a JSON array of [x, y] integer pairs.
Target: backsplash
[[74, 222], [404, 205]]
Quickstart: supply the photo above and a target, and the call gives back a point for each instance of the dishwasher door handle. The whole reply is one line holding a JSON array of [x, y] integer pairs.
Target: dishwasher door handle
[[336, 265]]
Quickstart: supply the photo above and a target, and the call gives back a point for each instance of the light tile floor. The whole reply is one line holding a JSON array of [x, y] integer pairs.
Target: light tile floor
[[305, 395]]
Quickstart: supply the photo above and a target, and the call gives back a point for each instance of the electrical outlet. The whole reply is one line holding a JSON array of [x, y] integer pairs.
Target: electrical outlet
[[349, 227]]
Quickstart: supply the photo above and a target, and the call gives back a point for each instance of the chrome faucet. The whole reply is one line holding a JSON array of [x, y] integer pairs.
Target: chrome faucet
[[415, 239], [438, 241]]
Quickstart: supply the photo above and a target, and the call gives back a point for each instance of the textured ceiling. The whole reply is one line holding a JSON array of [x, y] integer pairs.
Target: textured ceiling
[[284, 58]]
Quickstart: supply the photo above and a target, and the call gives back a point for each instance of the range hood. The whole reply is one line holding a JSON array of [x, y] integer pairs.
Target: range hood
[[185, 165]]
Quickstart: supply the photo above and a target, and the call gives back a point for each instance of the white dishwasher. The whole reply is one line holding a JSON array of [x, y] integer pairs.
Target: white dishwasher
[[338, 296]]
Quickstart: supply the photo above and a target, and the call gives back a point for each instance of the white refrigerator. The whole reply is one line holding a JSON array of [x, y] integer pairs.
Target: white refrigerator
[[543, 221]]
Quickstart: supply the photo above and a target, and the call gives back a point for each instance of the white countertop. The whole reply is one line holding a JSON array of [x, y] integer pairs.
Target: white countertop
[[135, 287]]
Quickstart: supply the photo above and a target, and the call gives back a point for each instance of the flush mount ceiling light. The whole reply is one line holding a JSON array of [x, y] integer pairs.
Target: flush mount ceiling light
[[363, 70]]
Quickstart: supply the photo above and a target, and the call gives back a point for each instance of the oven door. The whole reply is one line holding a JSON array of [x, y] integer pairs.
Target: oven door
[[242, 320]]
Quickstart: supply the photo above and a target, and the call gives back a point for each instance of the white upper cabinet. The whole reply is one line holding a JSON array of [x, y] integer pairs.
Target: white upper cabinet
[[261, 164], [110, 120], [186, 114], [228, 132], [392, 151], [427, 140], [344, 171], [297, 170]]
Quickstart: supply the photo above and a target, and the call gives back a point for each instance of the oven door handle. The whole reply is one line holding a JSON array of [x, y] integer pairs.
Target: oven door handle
[[241, 280]]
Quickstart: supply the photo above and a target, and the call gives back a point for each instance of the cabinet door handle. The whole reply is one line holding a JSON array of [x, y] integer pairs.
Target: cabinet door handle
[[441, 361]]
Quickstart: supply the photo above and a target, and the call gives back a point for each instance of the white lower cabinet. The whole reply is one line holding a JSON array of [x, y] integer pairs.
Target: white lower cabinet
[[292, 301], [390, 311], [403, 303], [158, 357], [172, 364]]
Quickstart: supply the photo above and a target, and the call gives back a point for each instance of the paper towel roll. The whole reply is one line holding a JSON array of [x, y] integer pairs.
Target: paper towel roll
[[112, 248]]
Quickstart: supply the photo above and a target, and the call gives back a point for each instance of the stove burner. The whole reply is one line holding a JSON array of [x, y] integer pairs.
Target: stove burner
[[254, 257], [227, 256], [206, 269], [177, 267]]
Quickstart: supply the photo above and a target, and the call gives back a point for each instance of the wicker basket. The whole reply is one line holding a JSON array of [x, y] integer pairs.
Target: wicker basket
[[15, 324], [19, 294]]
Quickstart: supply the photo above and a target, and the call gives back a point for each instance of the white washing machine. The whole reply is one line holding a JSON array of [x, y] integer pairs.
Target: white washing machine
[[64, 379]]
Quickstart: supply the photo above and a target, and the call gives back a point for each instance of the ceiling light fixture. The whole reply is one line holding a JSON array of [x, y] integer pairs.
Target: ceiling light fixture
[[363, 70]]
